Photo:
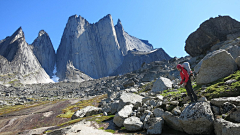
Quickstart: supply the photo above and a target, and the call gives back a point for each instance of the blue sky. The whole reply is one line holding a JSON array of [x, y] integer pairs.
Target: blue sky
[[164, 23]]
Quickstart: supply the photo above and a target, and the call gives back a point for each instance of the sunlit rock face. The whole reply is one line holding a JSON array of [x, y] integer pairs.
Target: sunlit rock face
[[18, 62]]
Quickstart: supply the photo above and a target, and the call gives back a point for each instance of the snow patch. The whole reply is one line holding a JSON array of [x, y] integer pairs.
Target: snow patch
[[54, 77]]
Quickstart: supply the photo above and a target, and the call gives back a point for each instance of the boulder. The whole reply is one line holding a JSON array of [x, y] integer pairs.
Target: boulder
[[122, 115], [216, 65], [161, 84], [197, 118], [237, 60], [156, 125], [128, 98], [87, 111], [220, 101], [209, 33], [128, 83], [223, 127], [235, 115], [216, 110], [114, 106], [133, 124], [234, 51], [227, 107]]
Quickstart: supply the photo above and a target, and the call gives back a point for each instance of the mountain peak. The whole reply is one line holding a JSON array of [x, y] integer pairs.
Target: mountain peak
[[41, 32]]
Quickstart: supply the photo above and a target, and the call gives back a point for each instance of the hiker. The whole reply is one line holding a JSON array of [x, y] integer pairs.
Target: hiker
[[186, 81]]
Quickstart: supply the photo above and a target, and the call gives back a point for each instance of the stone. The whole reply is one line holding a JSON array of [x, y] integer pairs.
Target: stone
[[235, 115], [216, 65], [18, 60], [114, 107], [122, 115], [220, 101], [176, 111], [202, 99], [223, 127], [75, 75], [128, 98], [234, 51], [216, 110], [237, 60], [128, 83], [133, 124], [161, 84], [209, 33], [226, 107], [43, 49], [197, 118], [87, 111], [156, 126]]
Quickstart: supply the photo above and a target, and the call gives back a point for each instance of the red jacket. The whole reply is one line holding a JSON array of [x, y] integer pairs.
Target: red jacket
[[184, 75]]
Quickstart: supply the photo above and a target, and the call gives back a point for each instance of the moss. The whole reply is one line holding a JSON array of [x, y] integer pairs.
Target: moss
[[70, 110], [102, 128], [101, 118], [110, 130]]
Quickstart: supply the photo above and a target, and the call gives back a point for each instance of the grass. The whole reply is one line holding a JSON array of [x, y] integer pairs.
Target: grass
[[11, 82], [99, 118], [110, 130], [70, 110]]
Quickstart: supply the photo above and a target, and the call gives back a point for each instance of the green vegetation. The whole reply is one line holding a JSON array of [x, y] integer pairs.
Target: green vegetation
[[101, 118], [12, 81], [110, 130], [143, 88], [70, 110]]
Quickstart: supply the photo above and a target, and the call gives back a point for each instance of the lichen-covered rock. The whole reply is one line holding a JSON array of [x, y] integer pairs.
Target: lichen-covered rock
[[209, 33], [216, 65], [128, 98], [133, 124], [156, 126], [220, 101], [87, 111], [122, 115], [161, 84], [197, 118]]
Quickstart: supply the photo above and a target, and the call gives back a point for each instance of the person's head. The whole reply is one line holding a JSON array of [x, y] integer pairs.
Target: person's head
[[179, 67]]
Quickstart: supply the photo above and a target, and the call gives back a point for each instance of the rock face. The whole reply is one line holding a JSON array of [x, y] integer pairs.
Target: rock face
[[93, 48], [197, 118], [43, 49], [216, 65], [128, 42], [211, 32], [75, 75], [18, 60], [98, 49], [135, 59]]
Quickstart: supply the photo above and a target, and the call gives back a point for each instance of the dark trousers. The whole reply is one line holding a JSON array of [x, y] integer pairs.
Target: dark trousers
[[190, 91]]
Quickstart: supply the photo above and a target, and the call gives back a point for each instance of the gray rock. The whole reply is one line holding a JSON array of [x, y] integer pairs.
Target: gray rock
[[237, 60], [220, 101], [87, 111], [133, 124], [156, 125], [128, 98], [122, 115], [223, 127], [216, 110], [114, 107], [197, 118], [235, 115], [216, 65], [234, 51], [176, 111], [18, 62], [209, 33], [202, 99], [226, 107], [161, 84], [75, 75], [43, 49]]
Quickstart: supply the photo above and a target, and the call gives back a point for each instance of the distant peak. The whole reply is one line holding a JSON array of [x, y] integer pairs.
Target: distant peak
[[119, 22], [41, 32], [18, 33]]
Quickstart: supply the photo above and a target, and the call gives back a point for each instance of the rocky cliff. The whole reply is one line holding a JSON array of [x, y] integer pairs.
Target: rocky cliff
[[135, 59], [128, 42], [43, 49], [93, 48], [96, 49], [211, 32], [18, 63]]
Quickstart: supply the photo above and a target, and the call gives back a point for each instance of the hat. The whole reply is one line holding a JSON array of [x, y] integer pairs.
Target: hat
[[179, 66]]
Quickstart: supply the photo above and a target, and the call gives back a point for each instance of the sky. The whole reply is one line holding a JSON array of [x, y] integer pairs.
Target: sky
[[164, 23]]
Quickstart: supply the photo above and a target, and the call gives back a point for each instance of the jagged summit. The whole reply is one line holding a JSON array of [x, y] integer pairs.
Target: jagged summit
[[18, 60]]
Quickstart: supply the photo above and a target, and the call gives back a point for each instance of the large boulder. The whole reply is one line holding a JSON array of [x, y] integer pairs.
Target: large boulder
[[87, 111], [237, 60], [133, 124], [161, 84], [220, 101], [209, 33], [171, 120], [156, 125], [129, 98], [122, 115], [197, 118], [235, 115], [216, 65], [223, 127]]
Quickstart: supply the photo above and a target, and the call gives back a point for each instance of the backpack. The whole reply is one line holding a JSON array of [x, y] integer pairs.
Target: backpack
[[186, 65]]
